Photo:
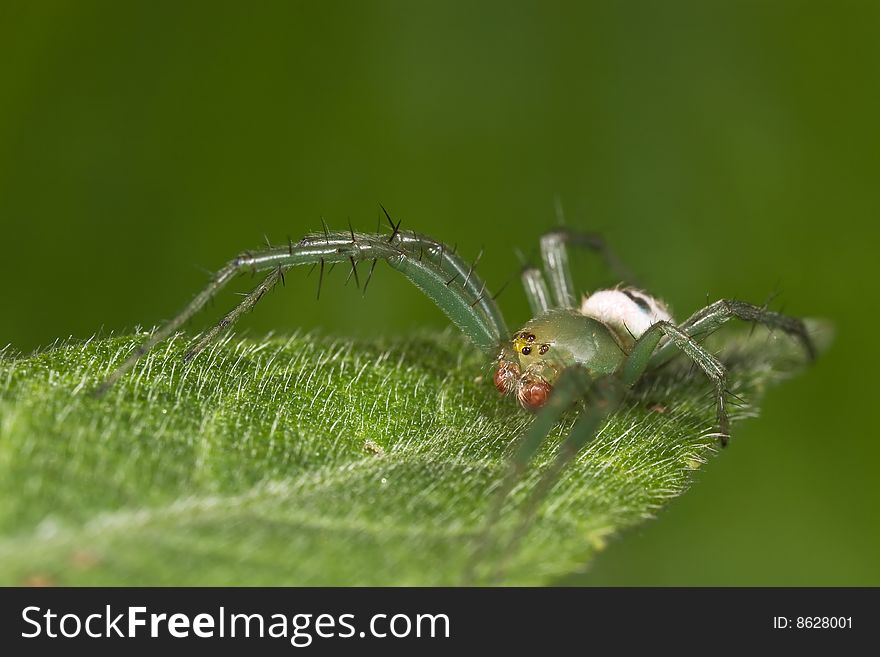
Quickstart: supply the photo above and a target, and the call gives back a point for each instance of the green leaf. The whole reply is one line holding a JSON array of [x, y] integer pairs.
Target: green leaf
[[312, 460]]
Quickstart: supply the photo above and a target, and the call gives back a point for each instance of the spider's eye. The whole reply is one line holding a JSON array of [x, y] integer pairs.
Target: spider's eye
[[534, 394], [505, 377], [523, 343]]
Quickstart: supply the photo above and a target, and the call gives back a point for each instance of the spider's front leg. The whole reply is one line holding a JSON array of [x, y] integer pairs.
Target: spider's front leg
[[449, 282], [601, 398], [246, 305], [594, 399]]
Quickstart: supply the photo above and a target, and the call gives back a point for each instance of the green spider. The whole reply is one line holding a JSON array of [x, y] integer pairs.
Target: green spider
[[567, 356]]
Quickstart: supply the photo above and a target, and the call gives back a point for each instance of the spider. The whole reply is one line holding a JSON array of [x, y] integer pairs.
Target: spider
[[567, 356]]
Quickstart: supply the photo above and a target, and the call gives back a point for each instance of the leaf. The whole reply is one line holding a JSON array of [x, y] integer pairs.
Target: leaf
[[319, 461]]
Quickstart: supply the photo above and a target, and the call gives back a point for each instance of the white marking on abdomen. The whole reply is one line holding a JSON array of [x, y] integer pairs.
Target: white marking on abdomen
[[629, 312]]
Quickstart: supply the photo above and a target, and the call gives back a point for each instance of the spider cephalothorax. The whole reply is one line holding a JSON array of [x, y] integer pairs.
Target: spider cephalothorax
[[598, 335]]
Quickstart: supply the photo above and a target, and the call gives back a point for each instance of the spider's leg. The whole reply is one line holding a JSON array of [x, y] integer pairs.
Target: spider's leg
[[570, 387], [475, 315], [641, 358], [555, 258], [460, 272], [229, 319], [708, 320], [536, 290], [600, 400]]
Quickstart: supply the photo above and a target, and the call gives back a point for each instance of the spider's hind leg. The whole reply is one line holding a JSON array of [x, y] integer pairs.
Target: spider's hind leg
[[555, 256], [709, 319], [641, 357], [536, 290]]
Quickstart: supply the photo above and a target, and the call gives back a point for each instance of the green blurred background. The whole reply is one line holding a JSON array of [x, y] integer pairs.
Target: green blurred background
[[725, 149]]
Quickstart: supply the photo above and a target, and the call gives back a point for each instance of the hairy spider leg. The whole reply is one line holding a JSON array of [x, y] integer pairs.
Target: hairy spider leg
[[230, 318], [448, 260], [640, 358], [478, 318], [432, 248], [555, 257], [709, 319]]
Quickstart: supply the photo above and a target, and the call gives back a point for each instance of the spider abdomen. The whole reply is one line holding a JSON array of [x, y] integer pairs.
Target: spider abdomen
[[628, 312]]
